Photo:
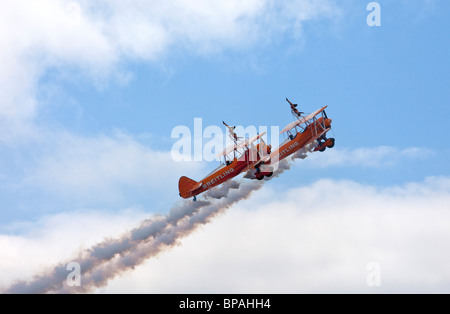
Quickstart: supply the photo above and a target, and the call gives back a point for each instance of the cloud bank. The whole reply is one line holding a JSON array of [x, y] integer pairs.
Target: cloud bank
[[371, 157], [316, 238]]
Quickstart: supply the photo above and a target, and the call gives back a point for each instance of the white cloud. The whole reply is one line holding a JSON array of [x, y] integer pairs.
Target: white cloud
[[380, 156], [103, 168], [94, 37], [316, 238], [35, 35]]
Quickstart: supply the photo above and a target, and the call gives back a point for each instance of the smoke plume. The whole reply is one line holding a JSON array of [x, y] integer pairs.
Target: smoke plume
[[111, 257], [106, 260], [223, 190]]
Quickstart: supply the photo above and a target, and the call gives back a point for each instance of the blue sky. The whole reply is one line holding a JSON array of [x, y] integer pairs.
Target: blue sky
[[89, 107], [374, 79]]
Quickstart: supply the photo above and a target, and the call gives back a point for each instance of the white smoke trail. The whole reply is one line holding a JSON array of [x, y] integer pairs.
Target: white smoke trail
[[106, 250], [169, 237], [113, 256], [223, 190], [300, 154], [303, 153]]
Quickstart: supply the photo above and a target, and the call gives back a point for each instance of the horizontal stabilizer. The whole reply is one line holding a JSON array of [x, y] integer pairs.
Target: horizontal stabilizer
[[186, 186]]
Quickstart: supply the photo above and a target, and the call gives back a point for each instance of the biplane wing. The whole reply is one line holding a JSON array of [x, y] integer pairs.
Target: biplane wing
[[246, 143], [293, 124], [315, 113], [227, 150]]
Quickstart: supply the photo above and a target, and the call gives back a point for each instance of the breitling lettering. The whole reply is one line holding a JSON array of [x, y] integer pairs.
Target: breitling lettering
[[287, 150], [219, 177]]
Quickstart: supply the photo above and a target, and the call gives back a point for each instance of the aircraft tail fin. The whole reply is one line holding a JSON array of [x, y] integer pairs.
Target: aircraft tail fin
[[186, 186]]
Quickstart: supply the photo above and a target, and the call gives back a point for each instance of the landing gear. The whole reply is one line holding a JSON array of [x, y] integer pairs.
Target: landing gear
[[194, 199], [332, 140], [327, 143], [260, 175]]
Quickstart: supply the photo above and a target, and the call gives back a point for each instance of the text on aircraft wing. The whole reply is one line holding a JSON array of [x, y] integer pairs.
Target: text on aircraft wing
[[302, 120]]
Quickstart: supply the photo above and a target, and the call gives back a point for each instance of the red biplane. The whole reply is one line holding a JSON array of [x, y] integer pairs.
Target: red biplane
[[238, 157], [307, 133]]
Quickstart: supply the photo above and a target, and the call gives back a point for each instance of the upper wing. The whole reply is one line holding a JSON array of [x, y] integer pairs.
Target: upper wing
[[293, 124], [245, 143], [315, 113], [227, 150], [242, 144]]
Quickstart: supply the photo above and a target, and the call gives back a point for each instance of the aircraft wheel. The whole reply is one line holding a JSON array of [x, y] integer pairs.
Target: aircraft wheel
[[269, 175], [260, 178], [332, 142], [322, 149]]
